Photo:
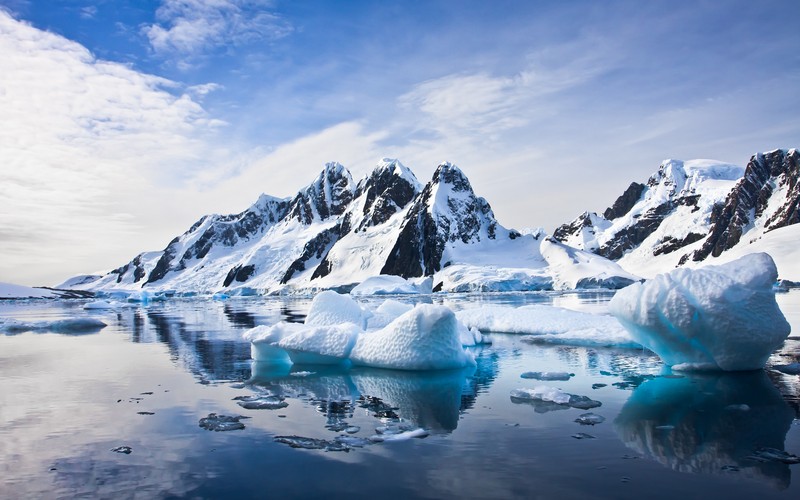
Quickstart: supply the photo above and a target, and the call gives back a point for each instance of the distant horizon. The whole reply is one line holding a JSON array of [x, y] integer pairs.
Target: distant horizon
[[125, 122]]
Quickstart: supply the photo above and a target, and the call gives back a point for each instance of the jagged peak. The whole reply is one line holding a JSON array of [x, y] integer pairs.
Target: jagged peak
[[395, 167], [449, 173]]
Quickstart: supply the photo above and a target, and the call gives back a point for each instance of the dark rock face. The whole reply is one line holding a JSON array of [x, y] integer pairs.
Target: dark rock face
[[239, 273], [564, 231], [765, 173], [328, 196], [625, 202], [138, 270], [317, 248], [434, 220], [633, 235], [386, 192], [223, 230]]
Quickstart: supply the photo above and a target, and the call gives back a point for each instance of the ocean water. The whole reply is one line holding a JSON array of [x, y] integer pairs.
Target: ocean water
[[123, 412]]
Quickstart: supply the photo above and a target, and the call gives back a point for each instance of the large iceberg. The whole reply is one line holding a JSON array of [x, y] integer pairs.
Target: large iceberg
[[425, 338], [338, 329], [717, 317]]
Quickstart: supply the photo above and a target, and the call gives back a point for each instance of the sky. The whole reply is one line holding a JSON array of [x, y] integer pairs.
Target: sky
[[123, 122]]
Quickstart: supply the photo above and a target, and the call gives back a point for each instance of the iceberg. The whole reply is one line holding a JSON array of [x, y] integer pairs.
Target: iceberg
[[716, 317], [425, 338]]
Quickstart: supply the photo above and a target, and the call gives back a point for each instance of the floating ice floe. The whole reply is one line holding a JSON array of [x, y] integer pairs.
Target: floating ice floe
[[68, 326], [264, 341], [548, 324], [388, 311], [425, 338], [590, 419], [261, 402], [716, 317], [553, 398], [221, 423], [99, 305], [391, 285], [547, 375]]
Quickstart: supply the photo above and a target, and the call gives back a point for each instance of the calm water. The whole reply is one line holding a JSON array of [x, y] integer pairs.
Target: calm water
[[148, 378]]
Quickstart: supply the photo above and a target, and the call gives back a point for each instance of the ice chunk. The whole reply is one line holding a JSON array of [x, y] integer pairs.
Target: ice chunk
[[791, 368], [590, 419], [425, 338], [99, 304], [321, 344], [548, 324], [69, 325], [548, 394], [261, 402], [401, 436], [330, 308], [541, 393], [390, 285], [717, 317], [547, 375], [221, 423]]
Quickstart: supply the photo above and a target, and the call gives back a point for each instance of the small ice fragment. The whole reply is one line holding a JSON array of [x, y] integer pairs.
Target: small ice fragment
[[145, 413], [221, 423], [237, 385], [665, 427], [774, 455], [597, 386], [98, 305], [590, 419], [353, 441], [352, 429], [122, 449], [261, 402], [302, 374], [790, 369], [739, 407], [541, 393], [583, 402], [547, 375], [305, 443], [583, 435], [401, 436]]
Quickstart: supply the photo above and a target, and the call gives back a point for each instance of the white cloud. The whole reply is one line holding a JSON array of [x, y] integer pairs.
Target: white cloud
[[86, 141], [189, 28]]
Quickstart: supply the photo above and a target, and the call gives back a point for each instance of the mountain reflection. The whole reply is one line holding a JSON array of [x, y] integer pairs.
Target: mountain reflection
[[709, 424]]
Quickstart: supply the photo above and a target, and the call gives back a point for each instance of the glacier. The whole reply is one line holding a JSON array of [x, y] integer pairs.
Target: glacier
[[714, 318]]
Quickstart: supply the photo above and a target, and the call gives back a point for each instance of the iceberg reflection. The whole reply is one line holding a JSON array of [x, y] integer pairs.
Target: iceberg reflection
[[709, 424], [432, 400]]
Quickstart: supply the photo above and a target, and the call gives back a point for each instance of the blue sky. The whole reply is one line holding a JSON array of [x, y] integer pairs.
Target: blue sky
[[124, 122]]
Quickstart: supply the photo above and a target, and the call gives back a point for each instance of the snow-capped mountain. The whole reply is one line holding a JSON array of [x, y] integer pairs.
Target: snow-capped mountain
[[689, 211], [336, 233]]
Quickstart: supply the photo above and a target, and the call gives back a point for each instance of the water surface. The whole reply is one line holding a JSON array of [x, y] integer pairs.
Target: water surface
[[148, 378]]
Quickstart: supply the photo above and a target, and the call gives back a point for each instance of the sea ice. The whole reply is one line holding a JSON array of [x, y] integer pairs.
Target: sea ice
[[99, 305], [330, 308], [221, 423], [388, 311], [261, 402], [548, 324], [548, 375], [264, 341], [69, 325], [590, 419], [716, 317], [390, 285], [425, 338], [548, 394]]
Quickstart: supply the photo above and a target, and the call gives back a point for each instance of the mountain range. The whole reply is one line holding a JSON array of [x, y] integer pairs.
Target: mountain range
[[699, 211], [440, 236]]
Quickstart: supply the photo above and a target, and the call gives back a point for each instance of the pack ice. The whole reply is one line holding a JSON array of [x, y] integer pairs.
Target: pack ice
[[717, 317]]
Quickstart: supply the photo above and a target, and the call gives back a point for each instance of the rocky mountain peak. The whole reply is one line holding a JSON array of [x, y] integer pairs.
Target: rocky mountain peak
[[448, 173], [389, 188], [327, 196]]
